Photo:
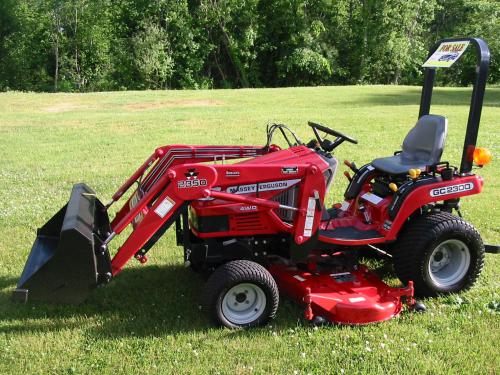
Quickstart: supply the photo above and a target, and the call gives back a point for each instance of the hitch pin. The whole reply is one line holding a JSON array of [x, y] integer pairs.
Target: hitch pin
[[107, 240]]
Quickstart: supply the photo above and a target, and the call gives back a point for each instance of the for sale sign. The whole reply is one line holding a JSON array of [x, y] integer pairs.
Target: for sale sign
[[446, 54]]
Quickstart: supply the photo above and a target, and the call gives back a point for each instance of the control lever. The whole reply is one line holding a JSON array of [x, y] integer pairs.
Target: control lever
[[365, 213], [352, 166]]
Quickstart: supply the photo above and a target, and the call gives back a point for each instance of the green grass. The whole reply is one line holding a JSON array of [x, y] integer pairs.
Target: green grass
[[147, 320]]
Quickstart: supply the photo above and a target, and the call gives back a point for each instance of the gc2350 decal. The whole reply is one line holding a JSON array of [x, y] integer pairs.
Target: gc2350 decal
[[452, 189], [186, 184]]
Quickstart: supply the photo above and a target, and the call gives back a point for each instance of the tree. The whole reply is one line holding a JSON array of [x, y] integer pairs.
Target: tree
[[469, 18], [152, 58], [90, 45]]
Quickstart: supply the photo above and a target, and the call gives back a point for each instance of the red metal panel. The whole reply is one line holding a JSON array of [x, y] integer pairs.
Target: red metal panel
[[354, 297], [426, 194]]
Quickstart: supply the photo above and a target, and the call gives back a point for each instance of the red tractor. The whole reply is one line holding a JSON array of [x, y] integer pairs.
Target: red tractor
[[260, 225]]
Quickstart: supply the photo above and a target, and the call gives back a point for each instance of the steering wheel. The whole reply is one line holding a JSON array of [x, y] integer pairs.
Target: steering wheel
[[326, 144]]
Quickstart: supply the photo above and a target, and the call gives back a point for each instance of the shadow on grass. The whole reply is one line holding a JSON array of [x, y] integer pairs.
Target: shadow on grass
[[411, 96], [7, 281], [141, 302], [147, 301]]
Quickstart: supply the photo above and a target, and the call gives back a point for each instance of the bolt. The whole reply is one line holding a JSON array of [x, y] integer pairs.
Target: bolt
[[171, 174]]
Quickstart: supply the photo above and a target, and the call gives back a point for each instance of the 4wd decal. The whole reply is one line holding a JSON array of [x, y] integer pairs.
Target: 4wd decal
[[264, 186], [248, 208], [290, 170], [452, 189]]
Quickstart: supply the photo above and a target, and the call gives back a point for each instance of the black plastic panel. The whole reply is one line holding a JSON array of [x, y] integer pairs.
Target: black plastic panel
[[350, 233]]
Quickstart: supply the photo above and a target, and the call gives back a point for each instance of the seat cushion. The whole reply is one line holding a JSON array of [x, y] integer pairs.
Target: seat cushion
[[422, 147], [397, 165]]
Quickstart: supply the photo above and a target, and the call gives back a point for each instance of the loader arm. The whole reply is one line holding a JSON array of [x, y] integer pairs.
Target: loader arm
[[181, 184], [149, 175]]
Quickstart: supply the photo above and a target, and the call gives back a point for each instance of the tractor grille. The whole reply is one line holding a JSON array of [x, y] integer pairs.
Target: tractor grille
[[248, 222], [288, 197]]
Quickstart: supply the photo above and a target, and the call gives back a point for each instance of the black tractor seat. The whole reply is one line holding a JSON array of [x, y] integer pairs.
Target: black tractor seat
[[422, 147]]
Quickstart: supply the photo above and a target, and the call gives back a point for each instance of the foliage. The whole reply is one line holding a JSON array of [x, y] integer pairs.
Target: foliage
[[92, 45], [151, 56]]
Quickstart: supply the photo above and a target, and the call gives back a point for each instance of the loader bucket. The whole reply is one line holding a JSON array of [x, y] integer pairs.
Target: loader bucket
[[66, 261]]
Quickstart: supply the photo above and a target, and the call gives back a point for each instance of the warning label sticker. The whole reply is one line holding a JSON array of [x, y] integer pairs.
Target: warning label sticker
[[311, 205], [164, 207]]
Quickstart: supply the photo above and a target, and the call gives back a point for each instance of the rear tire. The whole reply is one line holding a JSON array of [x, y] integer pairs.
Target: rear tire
[[440, 253], [241, 294]]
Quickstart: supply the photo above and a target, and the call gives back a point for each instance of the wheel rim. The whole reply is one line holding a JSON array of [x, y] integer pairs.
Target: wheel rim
[[449, 263], [243, 303]]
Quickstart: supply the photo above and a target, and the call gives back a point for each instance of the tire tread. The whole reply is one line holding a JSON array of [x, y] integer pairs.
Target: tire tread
[[423, 230], [234, 272]]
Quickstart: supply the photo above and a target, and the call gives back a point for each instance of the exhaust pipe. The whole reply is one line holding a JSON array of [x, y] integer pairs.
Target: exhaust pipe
[[67, 259]]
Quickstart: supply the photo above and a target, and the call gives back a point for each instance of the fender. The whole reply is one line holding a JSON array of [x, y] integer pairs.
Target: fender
[[439, 191]]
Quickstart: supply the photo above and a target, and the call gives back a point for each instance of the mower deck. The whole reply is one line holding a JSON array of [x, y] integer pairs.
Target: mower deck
[[354, 297]]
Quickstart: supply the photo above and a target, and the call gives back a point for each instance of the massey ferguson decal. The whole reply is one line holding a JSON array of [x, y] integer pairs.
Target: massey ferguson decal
[[452, 189], [290, 170], [192, 180], [191, 174], [264, 186]]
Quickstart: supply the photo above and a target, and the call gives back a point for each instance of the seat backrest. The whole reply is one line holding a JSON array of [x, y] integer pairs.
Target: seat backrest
[[425, 142]]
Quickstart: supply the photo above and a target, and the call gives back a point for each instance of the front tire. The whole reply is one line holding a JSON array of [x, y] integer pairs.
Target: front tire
[[440, 253], [241, 294]]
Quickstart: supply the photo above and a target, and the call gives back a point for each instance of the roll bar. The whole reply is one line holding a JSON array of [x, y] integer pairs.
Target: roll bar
[[476, 105]]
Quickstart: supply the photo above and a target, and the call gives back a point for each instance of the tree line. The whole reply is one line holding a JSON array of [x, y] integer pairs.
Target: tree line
[[94, 45]]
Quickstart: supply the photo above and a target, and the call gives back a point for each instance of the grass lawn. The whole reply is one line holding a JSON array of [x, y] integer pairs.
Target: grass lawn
[[147, 320]]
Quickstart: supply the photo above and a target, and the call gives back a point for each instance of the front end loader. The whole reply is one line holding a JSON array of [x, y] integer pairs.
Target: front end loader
[[260, 225]]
